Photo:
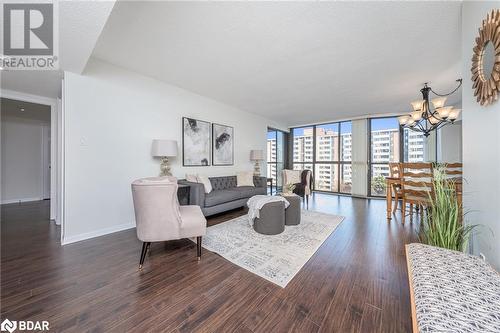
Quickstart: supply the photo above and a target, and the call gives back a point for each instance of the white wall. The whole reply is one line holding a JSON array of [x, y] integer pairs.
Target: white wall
[[21, 159], [111, 117], [481, 145], [450, 143]]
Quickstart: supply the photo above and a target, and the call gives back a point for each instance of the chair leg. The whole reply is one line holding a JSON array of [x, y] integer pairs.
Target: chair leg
[[403, 211], [396, 203], [145, 247], [198, 247]]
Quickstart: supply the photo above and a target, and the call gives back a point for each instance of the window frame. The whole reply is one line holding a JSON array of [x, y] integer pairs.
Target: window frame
[[340, 163], [276, 162], [401, 152], [370, 164]]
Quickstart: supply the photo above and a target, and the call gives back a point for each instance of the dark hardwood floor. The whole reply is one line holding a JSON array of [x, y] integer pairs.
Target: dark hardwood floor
[[356, 281]]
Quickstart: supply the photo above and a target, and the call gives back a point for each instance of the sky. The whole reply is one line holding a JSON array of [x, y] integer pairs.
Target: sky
[[346, 127]]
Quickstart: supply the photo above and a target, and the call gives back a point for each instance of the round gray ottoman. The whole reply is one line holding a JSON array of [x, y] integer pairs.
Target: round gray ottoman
[[292, 213], [271, 220]]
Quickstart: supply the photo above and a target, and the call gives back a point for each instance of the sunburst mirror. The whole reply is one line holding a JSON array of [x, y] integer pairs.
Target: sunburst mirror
[[486, 60]]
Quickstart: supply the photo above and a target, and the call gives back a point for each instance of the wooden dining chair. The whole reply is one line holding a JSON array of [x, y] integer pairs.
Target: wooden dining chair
[[416, 186], [454, 172], [395, 172]]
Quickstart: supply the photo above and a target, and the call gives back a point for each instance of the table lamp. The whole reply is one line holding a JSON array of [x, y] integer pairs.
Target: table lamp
[[256, 156], [164, 149]]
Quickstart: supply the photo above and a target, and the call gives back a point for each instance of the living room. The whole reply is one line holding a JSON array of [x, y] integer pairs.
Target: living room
[[284, 137]]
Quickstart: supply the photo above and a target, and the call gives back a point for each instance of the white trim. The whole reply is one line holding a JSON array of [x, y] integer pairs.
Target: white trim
[[11, 201], [45, 161], [12, 94], [97, 233]]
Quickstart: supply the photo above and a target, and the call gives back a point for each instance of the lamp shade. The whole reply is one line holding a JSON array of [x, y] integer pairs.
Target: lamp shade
[[256, 155], [438, 102], [164, 148], [454, 113], [418, 105], [403, 119], [444, 112]]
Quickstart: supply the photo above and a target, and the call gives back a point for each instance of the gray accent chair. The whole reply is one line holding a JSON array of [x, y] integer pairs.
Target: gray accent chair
[[225, 194], [159, 217], [271, 220]]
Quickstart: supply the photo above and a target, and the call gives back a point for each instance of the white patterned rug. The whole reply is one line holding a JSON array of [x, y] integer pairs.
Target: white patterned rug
[[275, 258]]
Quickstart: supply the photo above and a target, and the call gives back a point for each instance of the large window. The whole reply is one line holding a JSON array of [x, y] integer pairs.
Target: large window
[[326, 151], [275, 155], [385, 147], [413, 144]]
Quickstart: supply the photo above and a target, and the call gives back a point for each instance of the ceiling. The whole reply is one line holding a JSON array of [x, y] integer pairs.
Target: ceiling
[[294, 62], [12, 109], [80, 24]]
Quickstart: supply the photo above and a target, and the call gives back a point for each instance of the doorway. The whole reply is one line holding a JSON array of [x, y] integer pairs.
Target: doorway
[[26, 151]]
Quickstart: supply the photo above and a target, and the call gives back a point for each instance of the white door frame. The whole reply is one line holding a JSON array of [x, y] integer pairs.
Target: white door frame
[[45, 161], [56, 144]]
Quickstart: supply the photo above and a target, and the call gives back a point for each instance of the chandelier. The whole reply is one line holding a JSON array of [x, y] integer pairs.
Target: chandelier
[[425, 119]]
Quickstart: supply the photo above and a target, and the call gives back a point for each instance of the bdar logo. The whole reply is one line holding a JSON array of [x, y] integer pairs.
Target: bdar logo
[[8, 325]]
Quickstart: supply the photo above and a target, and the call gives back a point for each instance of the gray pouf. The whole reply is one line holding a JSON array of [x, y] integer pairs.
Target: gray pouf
[[292, 213], [271, 220]]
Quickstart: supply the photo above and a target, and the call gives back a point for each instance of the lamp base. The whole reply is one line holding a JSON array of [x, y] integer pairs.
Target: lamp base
[[256, 169], [165, 167]]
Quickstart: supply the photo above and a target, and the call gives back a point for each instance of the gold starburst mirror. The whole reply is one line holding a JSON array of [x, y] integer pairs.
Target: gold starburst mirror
[[486, 60]]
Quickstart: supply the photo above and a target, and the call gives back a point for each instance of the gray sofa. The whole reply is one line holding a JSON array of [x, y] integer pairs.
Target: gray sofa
[[225, 194]]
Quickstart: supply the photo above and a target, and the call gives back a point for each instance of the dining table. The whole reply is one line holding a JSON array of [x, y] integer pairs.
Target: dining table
[[391, 181]]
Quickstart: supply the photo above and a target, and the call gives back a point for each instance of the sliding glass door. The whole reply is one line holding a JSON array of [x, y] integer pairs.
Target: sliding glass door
[[275, 156]]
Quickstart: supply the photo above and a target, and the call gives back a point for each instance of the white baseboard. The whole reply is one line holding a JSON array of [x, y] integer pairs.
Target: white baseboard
[[97, 233], [11, 201]]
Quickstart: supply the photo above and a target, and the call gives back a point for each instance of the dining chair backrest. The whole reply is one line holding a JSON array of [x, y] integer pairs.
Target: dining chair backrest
[[417, 181], [453, 170], [395, 170]]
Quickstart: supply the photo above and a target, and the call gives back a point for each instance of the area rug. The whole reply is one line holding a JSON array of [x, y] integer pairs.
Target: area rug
[[275, 258]]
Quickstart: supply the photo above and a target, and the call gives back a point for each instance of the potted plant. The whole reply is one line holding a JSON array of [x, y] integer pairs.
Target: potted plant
[[442, 225]]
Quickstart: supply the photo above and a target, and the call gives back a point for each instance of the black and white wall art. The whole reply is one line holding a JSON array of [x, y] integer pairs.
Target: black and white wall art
[[222, 145], [195, 142]]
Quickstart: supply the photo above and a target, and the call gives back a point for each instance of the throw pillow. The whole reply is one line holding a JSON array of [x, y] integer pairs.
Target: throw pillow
[[244, 179], [206, 182], [191, 178], [292, 176]]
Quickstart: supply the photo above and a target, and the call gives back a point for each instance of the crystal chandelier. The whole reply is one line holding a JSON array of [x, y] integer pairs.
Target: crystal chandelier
[[425, 119]]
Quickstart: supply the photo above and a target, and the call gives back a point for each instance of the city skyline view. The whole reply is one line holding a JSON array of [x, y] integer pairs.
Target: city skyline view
[[332, 165]]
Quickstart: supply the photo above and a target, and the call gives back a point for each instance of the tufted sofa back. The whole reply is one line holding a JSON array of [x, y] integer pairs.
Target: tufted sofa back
[[222, 183], [225, 182]]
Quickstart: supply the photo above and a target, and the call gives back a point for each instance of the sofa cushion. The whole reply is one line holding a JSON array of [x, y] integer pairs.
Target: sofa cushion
[[244, 179], [247, 191], [217, 197]]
